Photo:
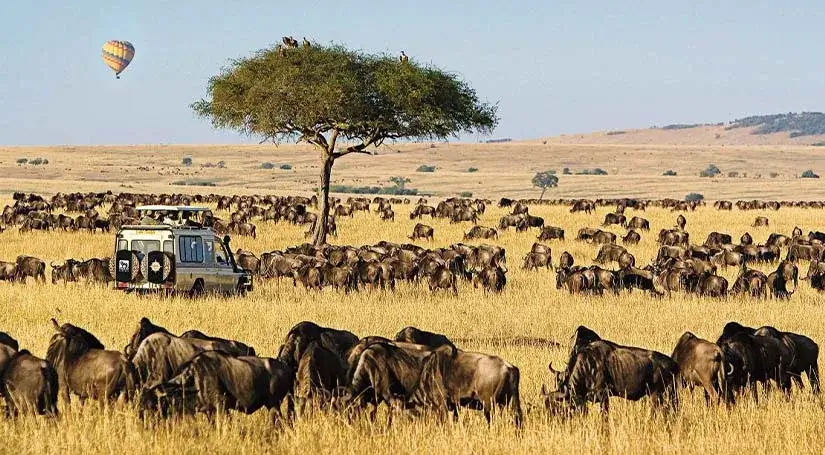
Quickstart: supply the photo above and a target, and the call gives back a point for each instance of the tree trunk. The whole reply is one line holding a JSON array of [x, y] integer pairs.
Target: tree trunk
[[319, 237], [543, 189]]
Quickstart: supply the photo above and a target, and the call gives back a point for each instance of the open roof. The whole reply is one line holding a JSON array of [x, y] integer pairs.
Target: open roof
[[171, 208]]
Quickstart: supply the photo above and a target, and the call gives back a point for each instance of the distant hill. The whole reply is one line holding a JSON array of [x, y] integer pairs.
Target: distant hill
[[805, 128]]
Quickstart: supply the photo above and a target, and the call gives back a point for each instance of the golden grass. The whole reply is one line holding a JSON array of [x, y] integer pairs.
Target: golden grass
[[529, 307]]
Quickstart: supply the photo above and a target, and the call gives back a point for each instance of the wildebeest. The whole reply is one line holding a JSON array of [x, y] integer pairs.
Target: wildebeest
[[28, 384], [536, 260], [481, 232], [614, 218], [221, 344], [305, 332], [754, 358], [28, 266], [804, 355], [551, 232], [702, 363], [631, 238], [386, 373], [451, 378], [422, 231], [760, 221], [321, 375], [86, 368], [491, 279], [417, 336], [778, 280], [157, 354], [8, 271], [215, 381], [638, 223], [601, 369]]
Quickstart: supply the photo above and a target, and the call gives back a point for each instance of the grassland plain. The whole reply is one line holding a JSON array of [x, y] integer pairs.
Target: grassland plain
[[504, 169], [512, 325]]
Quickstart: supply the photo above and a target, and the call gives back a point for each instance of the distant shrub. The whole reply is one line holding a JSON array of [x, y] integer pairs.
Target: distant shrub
[[221, 164], [22, 161], [711, 171], [819, 144], [809, 174], [596, 171], [425, 168], [36, 162], [194, 182], [566, 171], [690, 197], [774, 175], [286, 167], [669, 173], [187, 161], [733, 174], [466, 194], [472, 169], [615, 133], [267, 165], [45, 161], [390, 190]]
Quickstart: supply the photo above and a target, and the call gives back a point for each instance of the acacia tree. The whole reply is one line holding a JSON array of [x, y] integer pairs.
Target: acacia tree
[[326, 95], [545, 180]]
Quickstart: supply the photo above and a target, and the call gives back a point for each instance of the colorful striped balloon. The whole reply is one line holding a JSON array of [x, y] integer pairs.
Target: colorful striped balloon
[[117, 55]]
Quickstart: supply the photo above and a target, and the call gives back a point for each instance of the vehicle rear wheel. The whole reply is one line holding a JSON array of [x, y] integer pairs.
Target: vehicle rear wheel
[[198, 289]]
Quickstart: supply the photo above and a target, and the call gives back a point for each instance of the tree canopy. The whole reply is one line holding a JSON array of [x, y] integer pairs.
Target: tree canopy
[[544, 180], [322, 94]]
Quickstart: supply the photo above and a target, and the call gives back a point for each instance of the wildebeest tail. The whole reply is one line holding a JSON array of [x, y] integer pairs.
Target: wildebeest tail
[[47, 401], [513, 379]]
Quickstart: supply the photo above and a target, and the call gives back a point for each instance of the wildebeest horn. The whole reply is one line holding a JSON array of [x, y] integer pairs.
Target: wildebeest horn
[[552, 370], [729, 373], [54, 266], [55, 324]]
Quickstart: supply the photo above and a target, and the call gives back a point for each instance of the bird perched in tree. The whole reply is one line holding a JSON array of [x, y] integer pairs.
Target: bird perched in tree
[[403, 58]]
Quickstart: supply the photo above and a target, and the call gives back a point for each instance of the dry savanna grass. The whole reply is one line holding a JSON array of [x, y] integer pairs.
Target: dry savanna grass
[[511, 325], [763, 170]]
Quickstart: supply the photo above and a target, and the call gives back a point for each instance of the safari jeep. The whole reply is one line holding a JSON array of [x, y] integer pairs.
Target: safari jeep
[[169, 250]]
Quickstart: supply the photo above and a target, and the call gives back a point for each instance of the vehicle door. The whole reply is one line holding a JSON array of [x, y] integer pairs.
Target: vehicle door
[[191, 263], [228, 277]]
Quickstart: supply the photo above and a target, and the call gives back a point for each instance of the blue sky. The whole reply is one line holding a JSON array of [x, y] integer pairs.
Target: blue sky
[[554, 67]]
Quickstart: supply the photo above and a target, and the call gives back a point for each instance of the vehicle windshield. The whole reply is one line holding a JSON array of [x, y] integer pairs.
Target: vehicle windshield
[[145, 246]]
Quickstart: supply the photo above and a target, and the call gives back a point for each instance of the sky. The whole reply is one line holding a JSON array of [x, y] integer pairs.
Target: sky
[[554, 67]]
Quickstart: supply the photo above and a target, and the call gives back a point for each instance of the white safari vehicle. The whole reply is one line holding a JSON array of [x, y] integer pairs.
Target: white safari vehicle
[[171, 250]]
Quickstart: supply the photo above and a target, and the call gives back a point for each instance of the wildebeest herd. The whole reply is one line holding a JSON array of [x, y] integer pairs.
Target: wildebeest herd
[[680, 265], [336, 371]]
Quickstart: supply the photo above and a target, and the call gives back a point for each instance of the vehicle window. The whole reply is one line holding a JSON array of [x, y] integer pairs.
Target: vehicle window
[[145, 246], [220, 256], [122, 244], [208, 251], [168, 246], [190, 249]]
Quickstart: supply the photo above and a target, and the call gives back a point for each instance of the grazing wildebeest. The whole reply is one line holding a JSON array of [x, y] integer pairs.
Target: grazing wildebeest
[[804, 357], [778, 280], [746, 239], [491, 279], [8, 271], [602, 369], [609, 253], [754, 358], [28, 384], [566, 260], [422, 231], [681, 221], [481, 232], [760, 221], [535, 261], [321, 375], [551, 232], [718, 239], [417, 336], [614, 218], [214, 381], [451, 378], [751, 282], [157, 354], [234, 346], [385, 373], [28, 266], [305, 332], [638, 222], [85, 368], [702, 363], [631, 238]]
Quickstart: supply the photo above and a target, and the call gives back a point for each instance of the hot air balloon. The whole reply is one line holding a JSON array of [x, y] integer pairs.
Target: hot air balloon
[[117, 55]]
